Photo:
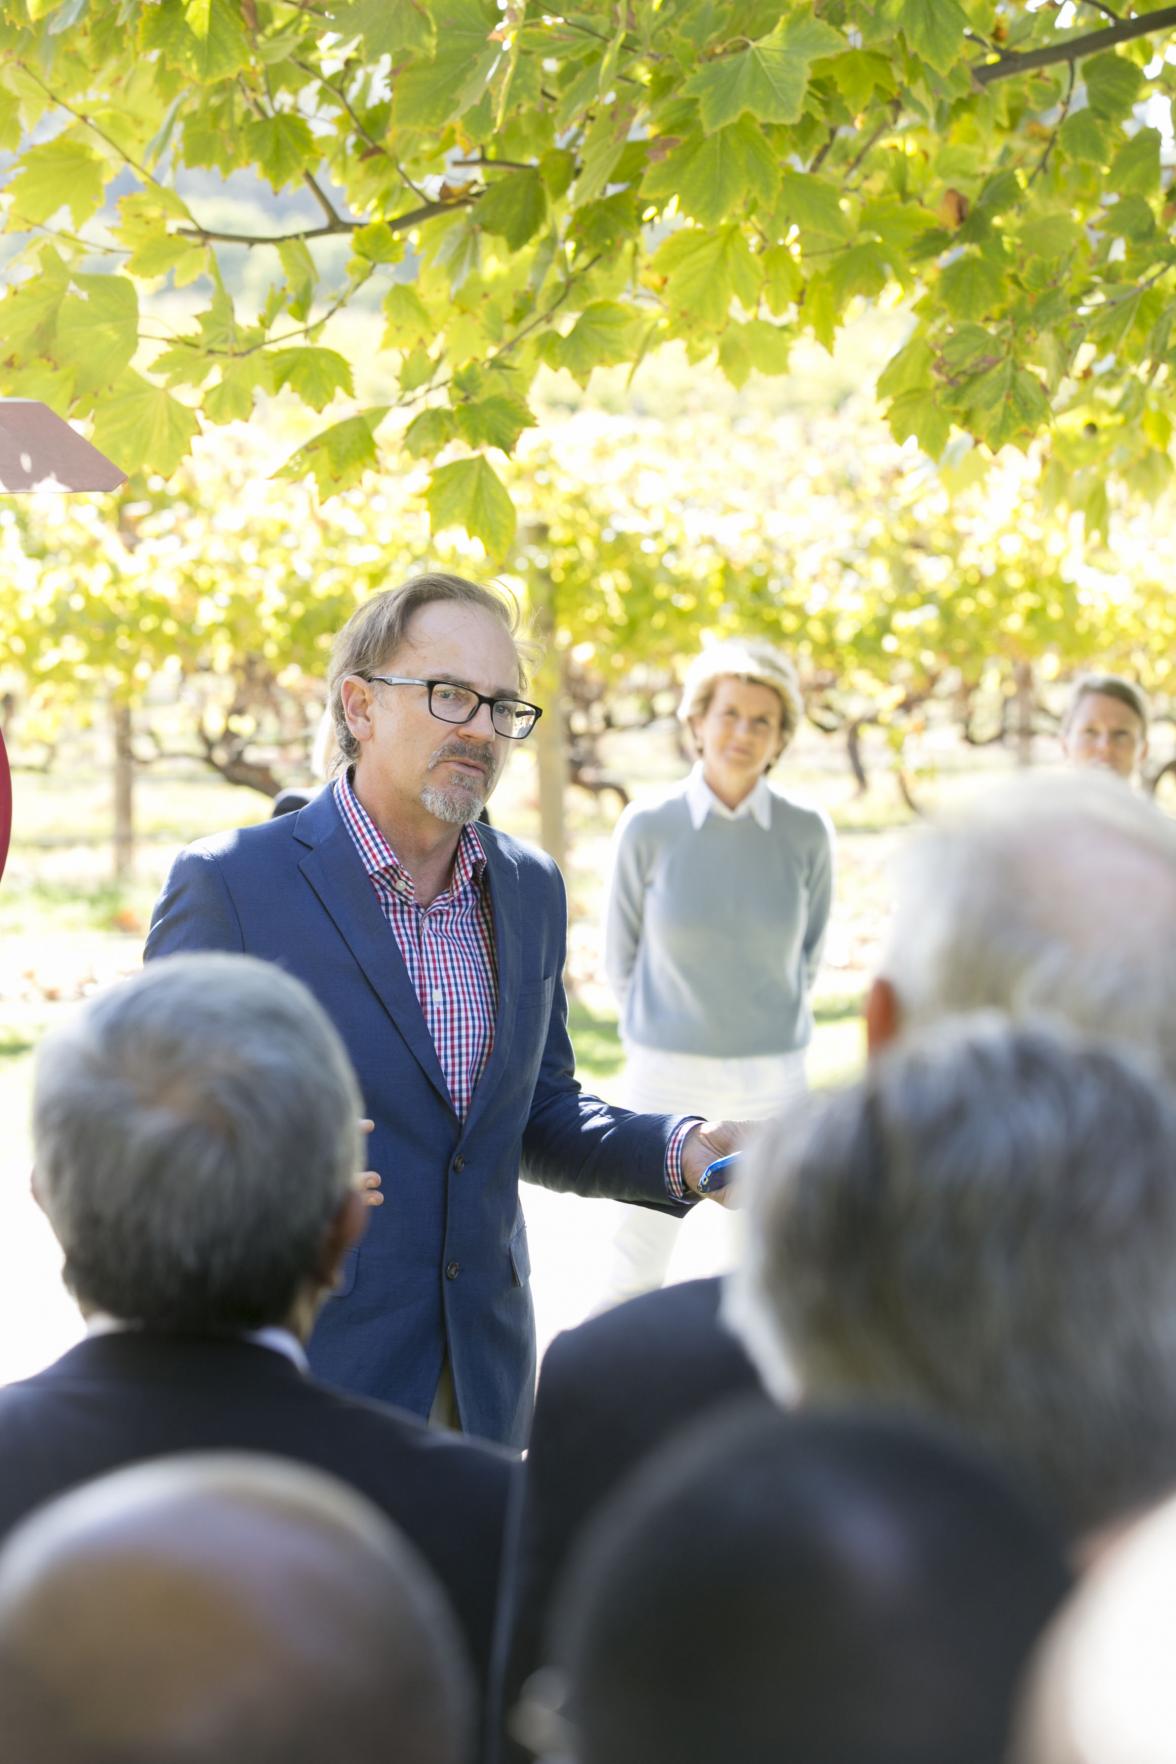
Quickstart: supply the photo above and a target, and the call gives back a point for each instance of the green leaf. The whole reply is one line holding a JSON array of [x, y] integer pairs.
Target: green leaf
[[935, 31], [769, 78], [908, 370], [968, 345], [313, 374], [407, 322], [768, 346], [377, 243], [1006, 403], [497, 421], [282, 147], [165, 253], [221, 51], [782, 279], [337, 457], [427, 94], [1112, 85], [469, 494], [386, 26], [734, 356], [705, 270], [1085, 138], [11, 127], [821, 311], [713, 174], [514, 207], [603, 334], [1049, 235], [859, 73], [814, 205], [919, 412], [1136, 166], [62, 173], [603, 147], [142, 427], [1130, 218], [98, 328], [970, 286], [231, 399], [863, 269], [429, 432]]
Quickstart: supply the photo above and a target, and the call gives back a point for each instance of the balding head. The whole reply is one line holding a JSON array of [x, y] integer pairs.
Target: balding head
[[211, 1608], [1053, 896]]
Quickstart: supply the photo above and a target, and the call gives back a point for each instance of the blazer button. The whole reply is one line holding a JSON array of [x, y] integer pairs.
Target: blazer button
[[452, 1270], [459, 1163]]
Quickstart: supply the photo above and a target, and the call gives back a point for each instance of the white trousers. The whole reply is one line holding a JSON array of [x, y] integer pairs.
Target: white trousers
[[648, 1247]]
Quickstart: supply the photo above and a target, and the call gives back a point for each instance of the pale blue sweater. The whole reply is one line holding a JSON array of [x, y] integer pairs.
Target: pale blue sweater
[[712, 937]]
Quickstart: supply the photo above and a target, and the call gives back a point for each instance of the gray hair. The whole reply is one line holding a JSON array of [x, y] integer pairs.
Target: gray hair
[[371, 637], [1106, 686], [195, 1132], [743, 658], [1056, 896], [983, 1229]]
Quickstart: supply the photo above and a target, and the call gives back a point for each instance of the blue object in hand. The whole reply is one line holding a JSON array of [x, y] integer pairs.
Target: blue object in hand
[[717, 1175]]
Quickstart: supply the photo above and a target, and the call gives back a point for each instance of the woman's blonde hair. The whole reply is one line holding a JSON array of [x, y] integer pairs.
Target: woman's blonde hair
[[742, 658]]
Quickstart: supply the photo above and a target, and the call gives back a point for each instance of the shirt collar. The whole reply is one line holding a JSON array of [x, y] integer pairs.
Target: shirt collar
[[702, 801], [378, 857], [279, 1341]]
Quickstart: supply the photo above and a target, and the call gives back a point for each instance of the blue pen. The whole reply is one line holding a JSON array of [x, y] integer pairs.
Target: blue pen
[[715, 1176]]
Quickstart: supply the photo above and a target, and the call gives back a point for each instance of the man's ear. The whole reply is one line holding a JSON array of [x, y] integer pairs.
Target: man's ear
[[356, 697], [342, 1234], [883, 1014]]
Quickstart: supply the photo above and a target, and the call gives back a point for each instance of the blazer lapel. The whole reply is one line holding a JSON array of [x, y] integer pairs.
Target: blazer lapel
[[503, 875], [333, 869]]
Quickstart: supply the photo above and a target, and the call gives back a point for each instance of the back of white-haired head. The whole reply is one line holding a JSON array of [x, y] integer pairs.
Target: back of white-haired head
[[1055, 895], [983, 1229]]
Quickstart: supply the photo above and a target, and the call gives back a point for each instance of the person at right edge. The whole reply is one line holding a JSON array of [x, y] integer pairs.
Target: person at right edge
[[714, 923]]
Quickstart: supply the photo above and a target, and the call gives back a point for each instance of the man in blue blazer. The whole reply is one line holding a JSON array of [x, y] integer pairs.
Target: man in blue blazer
[[437, 949]]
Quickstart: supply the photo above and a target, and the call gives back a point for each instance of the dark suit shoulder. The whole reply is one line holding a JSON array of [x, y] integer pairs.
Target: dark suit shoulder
[[674, 1323]]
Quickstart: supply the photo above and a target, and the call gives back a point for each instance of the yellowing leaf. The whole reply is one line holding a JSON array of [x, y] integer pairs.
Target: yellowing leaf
[[935, 31], [336, 458], [98, 328], [469, 494]]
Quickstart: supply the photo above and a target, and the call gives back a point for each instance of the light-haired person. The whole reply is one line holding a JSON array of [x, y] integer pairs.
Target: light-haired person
[[220, 1607], [196, 1143], [982, 1230], [714, 922], [1105, 724], [437, 948]]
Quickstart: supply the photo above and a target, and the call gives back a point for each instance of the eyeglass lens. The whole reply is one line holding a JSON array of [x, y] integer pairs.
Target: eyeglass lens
[[457, 704]]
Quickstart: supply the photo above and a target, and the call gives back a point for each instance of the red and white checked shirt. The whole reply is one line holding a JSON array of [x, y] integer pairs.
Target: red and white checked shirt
[[448, 949]]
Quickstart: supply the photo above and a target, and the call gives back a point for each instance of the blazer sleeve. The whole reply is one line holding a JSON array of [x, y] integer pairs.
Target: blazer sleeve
[[580, 1143], [195, 910]]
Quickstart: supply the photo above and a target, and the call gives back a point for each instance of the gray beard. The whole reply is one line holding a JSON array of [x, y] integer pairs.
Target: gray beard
[[454, 805]]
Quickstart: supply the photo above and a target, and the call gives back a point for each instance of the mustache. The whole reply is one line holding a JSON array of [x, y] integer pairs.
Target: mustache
[[452, 750]]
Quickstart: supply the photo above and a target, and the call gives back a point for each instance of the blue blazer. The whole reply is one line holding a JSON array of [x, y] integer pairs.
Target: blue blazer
[[444, 1260]]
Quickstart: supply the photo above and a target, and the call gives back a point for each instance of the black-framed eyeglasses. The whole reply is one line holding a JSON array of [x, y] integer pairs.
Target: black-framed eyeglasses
[[512, 717]]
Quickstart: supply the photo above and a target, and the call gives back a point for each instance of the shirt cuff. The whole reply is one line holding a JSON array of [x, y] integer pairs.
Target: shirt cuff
[[675, 1182]]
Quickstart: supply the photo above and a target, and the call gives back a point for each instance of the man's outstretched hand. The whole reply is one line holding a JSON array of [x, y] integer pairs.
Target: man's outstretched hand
[[708, 1141]]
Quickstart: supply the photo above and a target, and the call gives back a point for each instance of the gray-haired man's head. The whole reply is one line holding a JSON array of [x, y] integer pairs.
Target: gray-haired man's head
[[225, 1609], [983, 1229], [196, 1141], [1052, 896]]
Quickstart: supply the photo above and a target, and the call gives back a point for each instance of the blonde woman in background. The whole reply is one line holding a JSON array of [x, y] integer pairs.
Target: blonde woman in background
[[714, 922]]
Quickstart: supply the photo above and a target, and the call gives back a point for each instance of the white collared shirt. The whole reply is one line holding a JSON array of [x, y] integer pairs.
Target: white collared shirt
[[702, 801], [279, 1341]]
